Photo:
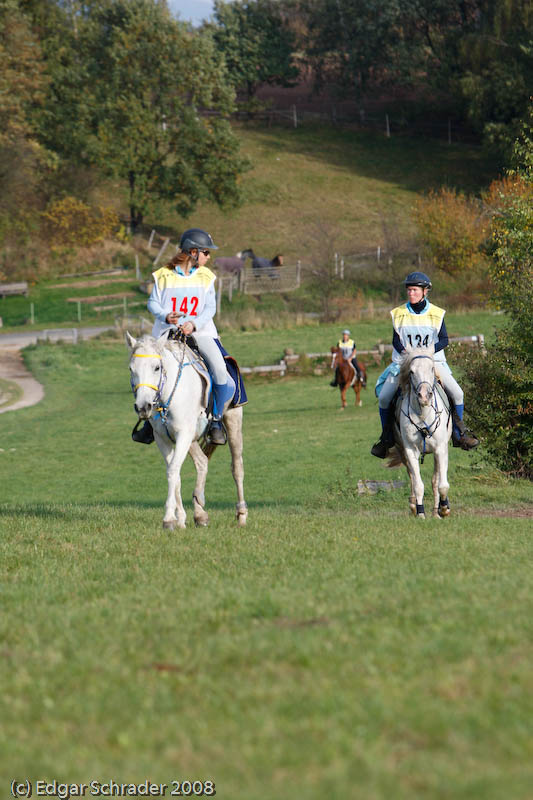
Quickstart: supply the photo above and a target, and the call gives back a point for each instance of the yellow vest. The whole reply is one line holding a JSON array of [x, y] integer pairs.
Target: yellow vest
[[418, 330]]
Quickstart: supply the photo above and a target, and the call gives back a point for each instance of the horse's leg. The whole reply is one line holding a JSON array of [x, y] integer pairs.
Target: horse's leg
[[441, 504], [174, 511], [201, 462], [357, 390], [417, 486], [233, 422], [343, 388]]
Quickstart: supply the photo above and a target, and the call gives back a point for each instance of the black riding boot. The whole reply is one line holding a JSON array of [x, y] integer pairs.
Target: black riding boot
[[217, 432], [335, 381], [145, 435], [461, 436]]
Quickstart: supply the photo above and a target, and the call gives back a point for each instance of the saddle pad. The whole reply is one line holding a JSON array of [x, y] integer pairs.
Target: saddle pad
[[239, 398]]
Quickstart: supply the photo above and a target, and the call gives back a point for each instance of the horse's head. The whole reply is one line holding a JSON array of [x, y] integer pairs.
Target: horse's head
[[418, 373], [147, 374], [335, 354]]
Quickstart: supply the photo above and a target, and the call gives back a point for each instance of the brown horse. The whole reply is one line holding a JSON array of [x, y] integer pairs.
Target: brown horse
[[347, 376]]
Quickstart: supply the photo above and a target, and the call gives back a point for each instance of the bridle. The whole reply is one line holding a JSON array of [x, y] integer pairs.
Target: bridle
[[162, 407], [424, 430]]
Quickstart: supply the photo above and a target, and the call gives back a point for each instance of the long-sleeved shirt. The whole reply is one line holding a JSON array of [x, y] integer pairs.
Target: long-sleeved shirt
[[193, 296]]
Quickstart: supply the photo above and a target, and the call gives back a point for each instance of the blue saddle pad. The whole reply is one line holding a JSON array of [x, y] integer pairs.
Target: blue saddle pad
[[239, 398]]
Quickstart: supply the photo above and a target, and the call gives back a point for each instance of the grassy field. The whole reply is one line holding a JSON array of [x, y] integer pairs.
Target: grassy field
[[335, 647]]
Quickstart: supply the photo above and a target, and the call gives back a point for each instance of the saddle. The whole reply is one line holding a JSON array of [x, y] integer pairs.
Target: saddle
[[239, 398]]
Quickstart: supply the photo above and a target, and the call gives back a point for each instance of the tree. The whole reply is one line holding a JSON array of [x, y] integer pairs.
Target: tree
[[130, 96], [256, 42], [502, 381]]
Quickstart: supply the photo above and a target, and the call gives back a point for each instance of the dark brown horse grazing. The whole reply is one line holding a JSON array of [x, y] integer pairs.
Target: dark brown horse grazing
[[347, 376]]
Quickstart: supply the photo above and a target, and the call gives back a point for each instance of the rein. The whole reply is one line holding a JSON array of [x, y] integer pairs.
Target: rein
[[424, 430], [162, 407]]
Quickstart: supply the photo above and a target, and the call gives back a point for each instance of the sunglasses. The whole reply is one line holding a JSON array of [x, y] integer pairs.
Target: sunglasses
[[205, 252]]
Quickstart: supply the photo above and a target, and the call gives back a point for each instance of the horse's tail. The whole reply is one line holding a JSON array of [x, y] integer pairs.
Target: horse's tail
[[208, 448], [395, 458]]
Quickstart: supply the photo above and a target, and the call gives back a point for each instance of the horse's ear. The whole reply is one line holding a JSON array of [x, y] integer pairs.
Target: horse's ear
[[130, 341]]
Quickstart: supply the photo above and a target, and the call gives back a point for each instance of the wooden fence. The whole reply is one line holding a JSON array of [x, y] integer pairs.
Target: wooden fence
[[377, 355]]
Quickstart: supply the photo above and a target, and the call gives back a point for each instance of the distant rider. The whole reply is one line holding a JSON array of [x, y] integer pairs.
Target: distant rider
[[419, 323], [349, 352], [184, 298]]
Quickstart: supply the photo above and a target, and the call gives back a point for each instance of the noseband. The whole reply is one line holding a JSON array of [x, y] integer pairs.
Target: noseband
[[162, 377]]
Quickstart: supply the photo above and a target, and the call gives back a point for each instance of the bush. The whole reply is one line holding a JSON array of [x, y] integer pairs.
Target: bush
[[502, 382], [452, 229], [72, 223]]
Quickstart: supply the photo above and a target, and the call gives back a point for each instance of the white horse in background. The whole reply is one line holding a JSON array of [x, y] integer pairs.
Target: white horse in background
[[423, 425], [170, 392]]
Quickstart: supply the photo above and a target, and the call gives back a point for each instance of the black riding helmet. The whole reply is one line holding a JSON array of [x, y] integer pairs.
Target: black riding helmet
[[418, 279], [196, 238]]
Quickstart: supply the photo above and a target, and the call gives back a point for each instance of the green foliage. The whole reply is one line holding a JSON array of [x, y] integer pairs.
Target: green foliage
[[257, 45], [128, 97], [504, 379]]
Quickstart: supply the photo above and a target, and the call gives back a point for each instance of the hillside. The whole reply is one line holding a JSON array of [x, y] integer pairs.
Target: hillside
[[346, 181]]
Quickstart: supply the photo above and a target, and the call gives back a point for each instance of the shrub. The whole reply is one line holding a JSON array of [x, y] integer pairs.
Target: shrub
[[452, 230], [502, 382], [72, 223]]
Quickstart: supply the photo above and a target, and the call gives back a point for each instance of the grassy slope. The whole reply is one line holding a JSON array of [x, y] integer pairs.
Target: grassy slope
[[347, 181], [319, 174], [333, 648]]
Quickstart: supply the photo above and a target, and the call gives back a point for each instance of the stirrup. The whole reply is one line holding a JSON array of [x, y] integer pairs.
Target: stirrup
[[145, 435], [216, 432]]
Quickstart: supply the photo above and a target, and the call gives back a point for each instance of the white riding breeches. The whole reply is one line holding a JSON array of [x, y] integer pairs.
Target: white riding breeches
[[214, 358], [451, 386]]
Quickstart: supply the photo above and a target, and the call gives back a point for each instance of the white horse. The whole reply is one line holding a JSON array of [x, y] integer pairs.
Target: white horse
[[422, 425], [170, 392]]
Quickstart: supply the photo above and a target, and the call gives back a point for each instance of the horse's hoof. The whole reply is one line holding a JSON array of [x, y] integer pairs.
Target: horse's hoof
[[169, 524], [241, 520], [420, 516], [202, 522], [435, 514], [444, 512]]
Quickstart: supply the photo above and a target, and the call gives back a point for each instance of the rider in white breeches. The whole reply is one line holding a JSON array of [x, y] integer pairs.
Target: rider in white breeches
[[183, 298], [419, 323]]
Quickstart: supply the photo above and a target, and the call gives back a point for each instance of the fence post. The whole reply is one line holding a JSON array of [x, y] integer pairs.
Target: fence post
[[137, 267], [294, 116], [387, 126], [342, 270], [78, 303], [230, 288], [151, 239], [298, 271], [336, 263], [379, 253], [163, 248], [125, 304], [32, 313]]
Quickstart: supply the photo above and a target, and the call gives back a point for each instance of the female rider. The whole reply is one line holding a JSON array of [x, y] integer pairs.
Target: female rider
[[349, 352], [419, 323], [184, 297]]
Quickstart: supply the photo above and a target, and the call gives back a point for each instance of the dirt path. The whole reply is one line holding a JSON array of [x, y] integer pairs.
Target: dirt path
[[13, 370]]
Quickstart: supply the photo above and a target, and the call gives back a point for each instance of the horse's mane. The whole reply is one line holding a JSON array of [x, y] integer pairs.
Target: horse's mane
[[149, 342], [405, 367]]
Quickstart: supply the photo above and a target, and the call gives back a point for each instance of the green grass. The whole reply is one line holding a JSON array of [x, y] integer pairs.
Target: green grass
[[335, 647], [345, 180], [51, 306], [259, 347]]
